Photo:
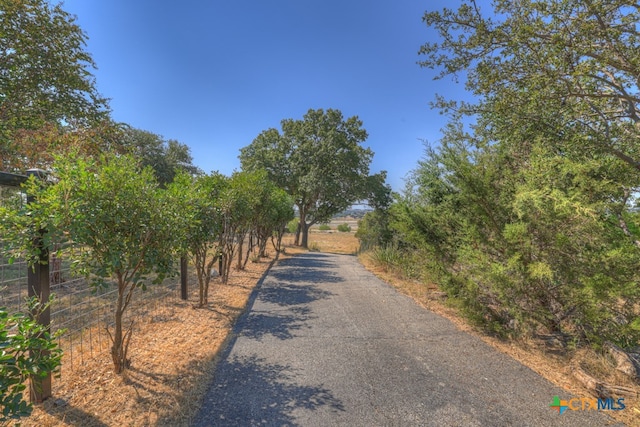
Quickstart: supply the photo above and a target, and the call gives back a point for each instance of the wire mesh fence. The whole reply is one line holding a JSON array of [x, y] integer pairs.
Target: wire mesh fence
[[13, 284], [83, 311]]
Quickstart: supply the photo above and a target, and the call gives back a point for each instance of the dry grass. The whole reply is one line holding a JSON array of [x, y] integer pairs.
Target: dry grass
[[333, 242]]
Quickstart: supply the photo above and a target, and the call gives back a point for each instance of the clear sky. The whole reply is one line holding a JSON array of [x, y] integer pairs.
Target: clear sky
[[214, 74]]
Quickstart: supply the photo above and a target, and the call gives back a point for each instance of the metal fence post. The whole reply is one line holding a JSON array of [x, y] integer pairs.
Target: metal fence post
[[183, 277], [38, 286]]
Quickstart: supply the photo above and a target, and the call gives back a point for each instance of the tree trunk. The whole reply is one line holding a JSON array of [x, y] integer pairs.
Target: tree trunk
[[262, 248], [250, 248], [118, 353], [296, 242], [305, 235], [277, 244], [200, 268], [302, 236], [240, 253]]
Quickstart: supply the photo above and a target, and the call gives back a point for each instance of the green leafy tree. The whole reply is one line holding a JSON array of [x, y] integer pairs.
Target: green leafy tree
[[197, 203], [574, 59], [272, 210], [273, 224], [46, 85], [318, 161], [237, 204], [121, 226], [166, 158]]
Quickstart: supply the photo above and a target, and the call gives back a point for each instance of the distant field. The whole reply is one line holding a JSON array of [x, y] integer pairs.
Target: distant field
[[327, 241], [353, 223]]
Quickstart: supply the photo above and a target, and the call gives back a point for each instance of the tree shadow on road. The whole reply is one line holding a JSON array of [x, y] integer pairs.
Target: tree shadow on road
[[257, 325], [249, 391], [290, 289], [286, 295], [306, 268]]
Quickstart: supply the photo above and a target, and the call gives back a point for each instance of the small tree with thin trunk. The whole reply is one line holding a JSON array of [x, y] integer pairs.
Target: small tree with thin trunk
[[271, 209], [121, 227], [236, 205], [274, 211], [196, 200]]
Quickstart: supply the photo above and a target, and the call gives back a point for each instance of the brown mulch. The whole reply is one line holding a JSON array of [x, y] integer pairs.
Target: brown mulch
[[172, 355]]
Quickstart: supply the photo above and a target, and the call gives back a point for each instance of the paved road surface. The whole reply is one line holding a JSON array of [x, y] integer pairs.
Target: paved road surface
[[325, 343]]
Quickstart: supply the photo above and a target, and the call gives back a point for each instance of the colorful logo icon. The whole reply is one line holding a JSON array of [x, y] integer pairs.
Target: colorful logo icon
[[559, 405], [587, 404]]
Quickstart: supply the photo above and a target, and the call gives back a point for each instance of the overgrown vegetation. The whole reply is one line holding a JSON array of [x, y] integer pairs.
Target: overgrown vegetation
[[116, 224], [525, 214], [120, 227]]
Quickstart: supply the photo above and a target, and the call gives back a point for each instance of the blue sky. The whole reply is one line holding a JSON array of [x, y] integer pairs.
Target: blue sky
[[214, 74]]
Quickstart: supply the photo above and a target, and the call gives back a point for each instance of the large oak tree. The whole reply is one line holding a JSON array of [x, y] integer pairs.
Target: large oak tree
[[577, 60], [318, 160]]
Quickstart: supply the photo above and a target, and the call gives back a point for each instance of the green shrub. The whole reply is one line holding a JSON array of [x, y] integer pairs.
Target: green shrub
[[28, 349], [344, 228], [373, 230], [388, 257], [292, 226], [324, 227]]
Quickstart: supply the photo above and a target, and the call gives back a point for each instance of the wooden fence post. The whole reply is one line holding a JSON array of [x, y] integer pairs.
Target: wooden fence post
[[38, 286], [183, 277]]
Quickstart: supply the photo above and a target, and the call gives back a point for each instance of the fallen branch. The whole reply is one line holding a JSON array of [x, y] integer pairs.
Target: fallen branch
[[600, 388], [624, 361]]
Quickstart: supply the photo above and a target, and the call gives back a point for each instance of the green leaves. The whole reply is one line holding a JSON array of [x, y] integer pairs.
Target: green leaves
[[166, 158], [527, 207], [46, 82], [565, 67], [111, 217], [318, 161], [26, 349]]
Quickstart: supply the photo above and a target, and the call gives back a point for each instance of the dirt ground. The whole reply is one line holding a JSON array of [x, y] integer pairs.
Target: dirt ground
[[174, 352]]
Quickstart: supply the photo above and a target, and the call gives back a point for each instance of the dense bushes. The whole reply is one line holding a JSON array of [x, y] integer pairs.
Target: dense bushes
[[533, 247], [344, 228], [120, 228], [526, 213]]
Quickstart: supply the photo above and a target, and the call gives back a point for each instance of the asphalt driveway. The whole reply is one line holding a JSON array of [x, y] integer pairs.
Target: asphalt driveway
[[326, 343]]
